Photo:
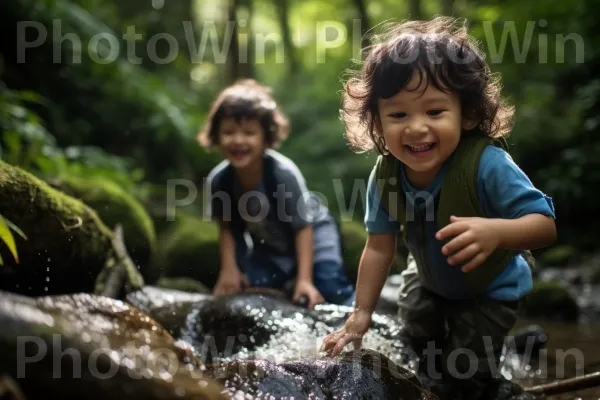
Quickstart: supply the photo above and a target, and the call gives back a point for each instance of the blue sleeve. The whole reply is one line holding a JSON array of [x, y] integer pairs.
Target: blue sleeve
[[505, 190], [377, 220]]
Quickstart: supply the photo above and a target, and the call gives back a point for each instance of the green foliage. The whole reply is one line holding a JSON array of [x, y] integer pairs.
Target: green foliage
[[134, 122], [7, 238]]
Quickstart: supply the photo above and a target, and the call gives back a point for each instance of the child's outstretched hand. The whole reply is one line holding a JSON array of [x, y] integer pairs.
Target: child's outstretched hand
[[355, 327], [474, 240], [231, 281], [306, 288]]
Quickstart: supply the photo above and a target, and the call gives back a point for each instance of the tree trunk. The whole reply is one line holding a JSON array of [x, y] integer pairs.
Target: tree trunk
[[364, 21], [284, 23], [233, 57], [447, 7], [414, 9]]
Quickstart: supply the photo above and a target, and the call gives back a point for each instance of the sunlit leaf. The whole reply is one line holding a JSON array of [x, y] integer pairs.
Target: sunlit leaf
[[7, 237]]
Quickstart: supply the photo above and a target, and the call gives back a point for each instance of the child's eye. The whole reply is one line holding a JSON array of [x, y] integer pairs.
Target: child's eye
[[398, 115], [435, 112]]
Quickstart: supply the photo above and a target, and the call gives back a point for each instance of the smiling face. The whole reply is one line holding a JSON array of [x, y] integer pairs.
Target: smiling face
[[242, 143], [421, 126]]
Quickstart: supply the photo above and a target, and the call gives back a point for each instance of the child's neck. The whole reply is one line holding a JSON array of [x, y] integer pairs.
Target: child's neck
[[421, 179], [249, 176]]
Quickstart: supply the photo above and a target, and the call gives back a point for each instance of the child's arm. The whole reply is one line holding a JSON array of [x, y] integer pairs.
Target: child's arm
[[373, 270], [521, 217], [304, 248], [231, 278], [476, 238], [304, 279]]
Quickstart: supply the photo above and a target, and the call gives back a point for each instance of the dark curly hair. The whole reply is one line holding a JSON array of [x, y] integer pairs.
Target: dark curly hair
[[245, 99], [440, 51]]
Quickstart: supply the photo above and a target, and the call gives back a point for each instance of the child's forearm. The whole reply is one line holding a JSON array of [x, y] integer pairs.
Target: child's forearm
[[304, 253], [373, 270], [529, 232], [226, 249]]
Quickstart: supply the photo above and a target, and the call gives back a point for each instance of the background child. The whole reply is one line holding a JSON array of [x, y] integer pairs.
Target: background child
[[428, 103], [272, 230]]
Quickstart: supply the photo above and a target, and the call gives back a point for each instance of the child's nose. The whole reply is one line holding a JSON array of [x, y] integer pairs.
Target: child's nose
[[416, 125]]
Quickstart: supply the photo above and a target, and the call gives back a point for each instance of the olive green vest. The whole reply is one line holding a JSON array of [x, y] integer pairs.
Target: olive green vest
[[458, 196]]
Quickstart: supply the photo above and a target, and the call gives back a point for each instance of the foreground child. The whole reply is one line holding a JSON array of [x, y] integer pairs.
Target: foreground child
[[426, 100], [272, 231]]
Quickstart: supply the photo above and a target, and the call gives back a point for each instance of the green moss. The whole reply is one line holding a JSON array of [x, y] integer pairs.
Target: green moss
[[116, 206], [189, 248], [354, 238], [67, 242], [551, 300], [559, 256]]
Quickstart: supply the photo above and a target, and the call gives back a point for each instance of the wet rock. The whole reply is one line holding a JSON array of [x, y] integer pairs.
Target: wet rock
[[83, 346], [360, 374], [184, 284]]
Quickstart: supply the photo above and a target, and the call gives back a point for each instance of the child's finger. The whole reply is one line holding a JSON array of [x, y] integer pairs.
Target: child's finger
[[452, 229], [458, 243], [465, 254], [344, 340], [474, 263]]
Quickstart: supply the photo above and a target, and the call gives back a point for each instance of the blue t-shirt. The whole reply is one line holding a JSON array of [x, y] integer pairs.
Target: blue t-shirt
[[504, 191]]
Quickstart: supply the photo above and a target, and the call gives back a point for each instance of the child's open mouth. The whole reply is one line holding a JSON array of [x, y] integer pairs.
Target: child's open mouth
[[238, 153], [420, 149]]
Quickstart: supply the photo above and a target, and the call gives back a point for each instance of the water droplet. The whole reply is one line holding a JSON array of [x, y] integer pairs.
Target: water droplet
[[45, 288]]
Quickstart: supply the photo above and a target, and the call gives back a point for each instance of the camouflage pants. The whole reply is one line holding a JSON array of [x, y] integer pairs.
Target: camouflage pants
[[459, 342]]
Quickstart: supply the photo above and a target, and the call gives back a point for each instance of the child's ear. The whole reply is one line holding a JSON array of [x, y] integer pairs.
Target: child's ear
[[469, 123]]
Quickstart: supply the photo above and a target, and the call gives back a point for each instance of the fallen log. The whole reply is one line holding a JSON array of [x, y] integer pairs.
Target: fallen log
[[566, 385]]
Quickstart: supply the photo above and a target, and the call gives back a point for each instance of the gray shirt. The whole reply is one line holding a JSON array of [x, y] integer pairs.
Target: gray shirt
[[269, 230]]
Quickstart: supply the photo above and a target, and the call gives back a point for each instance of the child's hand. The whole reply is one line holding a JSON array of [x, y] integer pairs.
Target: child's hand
[[306, 288], [231, 281], [354, 329], [474, 240]]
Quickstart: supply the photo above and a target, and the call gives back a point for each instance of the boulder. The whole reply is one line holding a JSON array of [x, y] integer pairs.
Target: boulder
[[115, 206]]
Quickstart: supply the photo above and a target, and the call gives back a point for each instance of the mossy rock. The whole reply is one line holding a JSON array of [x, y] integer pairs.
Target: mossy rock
[[115, 206], [354, 237], [182, 284], [188, 249], [559, 256], [67, 244], [550, 300]]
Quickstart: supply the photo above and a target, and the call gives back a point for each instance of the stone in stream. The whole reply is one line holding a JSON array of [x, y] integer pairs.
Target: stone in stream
[[90, 347]]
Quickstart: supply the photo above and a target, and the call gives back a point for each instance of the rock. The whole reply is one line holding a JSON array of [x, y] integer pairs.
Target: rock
[[92, 347], [67, 247], [184, 284], [359, 374], [188, 249], [115, 206], [550, 300], [559, 256]]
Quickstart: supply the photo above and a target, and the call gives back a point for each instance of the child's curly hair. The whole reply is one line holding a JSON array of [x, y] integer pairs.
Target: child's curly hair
[[246, 99], [440, 51]]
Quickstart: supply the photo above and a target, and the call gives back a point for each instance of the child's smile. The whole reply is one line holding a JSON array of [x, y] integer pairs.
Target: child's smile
[[241, 143], [421, 126]]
